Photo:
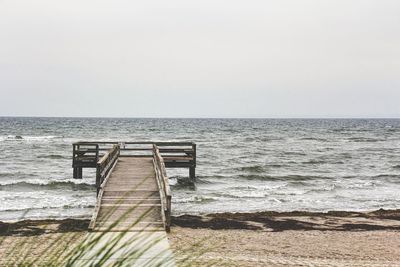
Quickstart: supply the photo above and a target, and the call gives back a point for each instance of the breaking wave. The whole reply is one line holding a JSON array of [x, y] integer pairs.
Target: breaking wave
[[47, 185], [28, 138], [293, 177]]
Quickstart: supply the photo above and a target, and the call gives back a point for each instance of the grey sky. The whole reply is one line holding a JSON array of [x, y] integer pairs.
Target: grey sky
[[313, 58]]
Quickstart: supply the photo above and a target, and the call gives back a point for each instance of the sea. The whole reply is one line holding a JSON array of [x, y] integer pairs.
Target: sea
[[243, 165]]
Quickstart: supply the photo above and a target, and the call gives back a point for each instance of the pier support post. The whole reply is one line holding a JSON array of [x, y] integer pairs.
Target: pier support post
[[192, 174], [78, 173], [192, 168]]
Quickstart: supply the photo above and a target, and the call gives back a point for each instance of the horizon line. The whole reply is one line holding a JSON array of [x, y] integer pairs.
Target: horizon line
[[249, 118]]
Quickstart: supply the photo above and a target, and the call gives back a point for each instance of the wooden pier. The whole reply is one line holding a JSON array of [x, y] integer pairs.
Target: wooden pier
[[132, 184], [133, 209]]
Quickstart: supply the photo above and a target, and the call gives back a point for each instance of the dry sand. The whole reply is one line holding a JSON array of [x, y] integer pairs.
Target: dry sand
[[254, 239], [288, 248], [289, 239]]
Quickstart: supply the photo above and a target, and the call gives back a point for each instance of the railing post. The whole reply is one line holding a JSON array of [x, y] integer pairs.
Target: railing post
[[192, 169], [80, 173], [194, 147], [97, 153], [98, 178], [168, 215], [192, 174], [75, 172]]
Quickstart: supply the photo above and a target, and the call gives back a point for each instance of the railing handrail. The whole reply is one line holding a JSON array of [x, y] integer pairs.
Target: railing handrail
[[161, 165], [160, 143], [77, 150], [168, 150], [105, 164], [165, 190]]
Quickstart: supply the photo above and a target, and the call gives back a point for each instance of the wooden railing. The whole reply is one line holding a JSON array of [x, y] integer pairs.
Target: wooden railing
[[84, 155], [105, 165], [175, 154], [163, 185], [142, 149]]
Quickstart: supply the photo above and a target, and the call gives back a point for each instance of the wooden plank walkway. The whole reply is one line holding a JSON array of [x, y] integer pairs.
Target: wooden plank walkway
[[128, 221], [138, 249], [130, 198]]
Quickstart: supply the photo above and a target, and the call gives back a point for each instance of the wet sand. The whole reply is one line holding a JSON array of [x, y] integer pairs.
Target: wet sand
[[227, 239]]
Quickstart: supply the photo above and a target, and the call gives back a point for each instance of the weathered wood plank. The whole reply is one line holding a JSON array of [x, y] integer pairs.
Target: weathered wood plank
[[130, 198]]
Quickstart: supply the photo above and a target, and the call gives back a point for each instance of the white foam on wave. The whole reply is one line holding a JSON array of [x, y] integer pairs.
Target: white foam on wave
[[44, 201], [45, 182], [28, 137], [46, 137]]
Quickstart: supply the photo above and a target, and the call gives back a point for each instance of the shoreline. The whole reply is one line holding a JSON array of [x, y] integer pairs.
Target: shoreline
[[259, 221]]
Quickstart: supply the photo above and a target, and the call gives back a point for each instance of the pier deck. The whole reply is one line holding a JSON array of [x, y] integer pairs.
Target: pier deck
[[130, 199]]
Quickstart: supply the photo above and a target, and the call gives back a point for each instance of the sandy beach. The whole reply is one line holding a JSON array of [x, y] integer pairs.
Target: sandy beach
[[241, 239]]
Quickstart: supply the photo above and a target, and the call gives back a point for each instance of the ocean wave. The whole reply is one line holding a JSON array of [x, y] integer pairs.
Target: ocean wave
[[293, 177], [299, 183], [200, 179], [392, 178], [28, 138], [314, 139], [17, 174], [269, 139], [6, 174], [42, 184], [386, 176], [339, 130], [196, 199], [80, 206], [329, 188], [203, 179], [363, 185], [345, 155], [53, 157], [242, 194], [293, 153], [365, 139], [244, 188], [319, 162], [275, 165], [253, 168], [314, 162], [61, 206]]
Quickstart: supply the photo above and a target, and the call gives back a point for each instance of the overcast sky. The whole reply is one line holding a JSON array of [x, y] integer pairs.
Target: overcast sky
[[217, 58]]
